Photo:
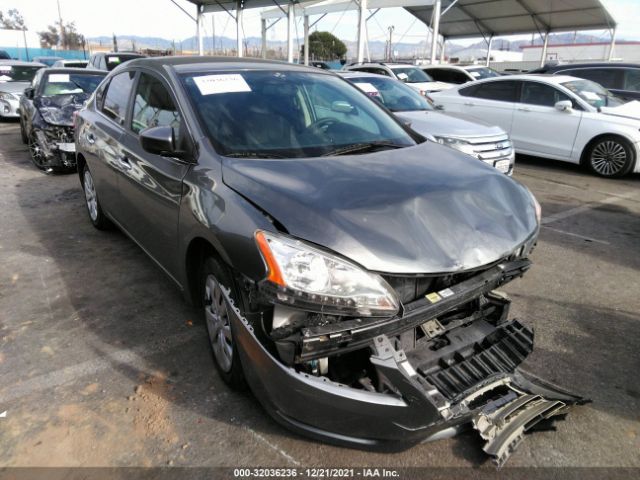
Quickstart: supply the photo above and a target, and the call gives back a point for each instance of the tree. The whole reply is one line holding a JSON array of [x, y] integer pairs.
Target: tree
[[51, 37], [325, 46], [12, 20]]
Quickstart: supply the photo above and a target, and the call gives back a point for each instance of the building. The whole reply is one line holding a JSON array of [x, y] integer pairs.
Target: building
[[584, 52]]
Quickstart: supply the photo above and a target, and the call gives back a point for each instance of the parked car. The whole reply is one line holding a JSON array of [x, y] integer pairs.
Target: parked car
[[345, 266], [46, 114], [622, 79], [471, 136], [558, 117], [107, 61], [459, 74], [409, 74], [71, 64], [48, 61], [15, 76], [4, 55]]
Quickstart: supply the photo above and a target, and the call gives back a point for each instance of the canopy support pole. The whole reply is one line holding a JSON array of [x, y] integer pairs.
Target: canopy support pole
[[199, 17], [263, 24], [543, 56], [442, 52], [306, 40], [239, 49], [489, 44], [362, 29], [613, 44], [436, 30], [290, 24]]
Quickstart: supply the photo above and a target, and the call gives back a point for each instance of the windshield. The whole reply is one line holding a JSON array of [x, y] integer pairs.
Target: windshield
[[114, 60], [13, 73], [483, 72], [411, 75], [289, 114], [394, 95], [593, 93], [70, 83]]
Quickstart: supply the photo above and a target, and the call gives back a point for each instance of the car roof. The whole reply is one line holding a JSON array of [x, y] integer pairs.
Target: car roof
[[184, 64], [21, 63], [75, 70], [547, 78], [353, 74], [564, 66]]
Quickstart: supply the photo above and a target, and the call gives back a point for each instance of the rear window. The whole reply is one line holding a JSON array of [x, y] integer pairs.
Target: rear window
[[501, 91], [448, 75], [607, 77], [13, 73], [114, 60]]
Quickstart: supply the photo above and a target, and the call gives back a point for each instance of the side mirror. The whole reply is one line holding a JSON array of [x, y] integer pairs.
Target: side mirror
[[29, 92], [341, 106], [439, 107], [159, 141], [564, 106]]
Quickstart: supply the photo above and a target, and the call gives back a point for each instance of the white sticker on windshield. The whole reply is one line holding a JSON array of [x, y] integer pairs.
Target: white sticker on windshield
[[5, 68], [114, 60], [59, 78], [226, 83], [367, 88], [590, 95], [474, 74], [403, 76]]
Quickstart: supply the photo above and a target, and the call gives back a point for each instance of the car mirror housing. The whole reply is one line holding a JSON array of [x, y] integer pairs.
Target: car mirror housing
[[564, 106], [159, 141]]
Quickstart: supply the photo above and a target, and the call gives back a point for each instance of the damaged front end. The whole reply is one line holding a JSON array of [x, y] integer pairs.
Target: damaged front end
[[447, 359], [51, 141]]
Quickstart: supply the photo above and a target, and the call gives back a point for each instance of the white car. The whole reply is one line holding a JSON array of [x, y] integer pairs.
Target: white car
[[409, 74], [558, 117], [15, 76], [458, 74]]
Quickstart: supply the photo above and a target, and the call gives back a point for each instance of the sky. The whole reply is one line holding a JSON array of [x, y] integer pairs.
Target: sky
[[161, 18]]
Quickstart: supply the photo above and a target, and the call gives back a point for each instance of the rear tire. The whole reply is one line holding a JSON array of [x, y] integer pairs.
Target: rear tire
[[96, 215], [213, 275], [610, 156]]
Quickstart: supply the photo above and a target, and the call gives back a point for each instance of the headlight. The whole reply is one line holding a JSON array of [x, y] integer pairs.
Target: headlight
[[458, 144], [56, 116], [324, 281], [8, 96]]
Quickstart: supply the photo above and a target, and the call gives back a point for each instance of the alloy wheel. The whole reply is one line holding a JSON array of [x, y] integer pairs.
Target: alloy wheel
[[218, 325], [90, 195], [608, 158], [37, 154]]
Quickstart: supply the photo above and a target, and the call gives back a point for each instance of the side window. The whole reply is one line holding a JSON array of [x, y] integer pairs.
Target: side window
[[501, 91], [632, 79], [607, 77], [117, 96], [535, 93], [153, 106]]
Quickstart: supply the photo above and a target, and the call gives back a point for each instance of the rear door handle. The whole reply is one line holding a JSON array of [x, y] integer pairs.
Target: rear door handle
[[524, 109], [123, 160]]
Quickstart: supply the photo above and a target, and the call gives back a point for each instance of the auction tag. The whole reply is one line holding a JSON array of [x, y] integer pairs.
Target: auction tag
[[59, 78], [433, 297], [474, 74], [225, 83], [591, 95], [368, 88]]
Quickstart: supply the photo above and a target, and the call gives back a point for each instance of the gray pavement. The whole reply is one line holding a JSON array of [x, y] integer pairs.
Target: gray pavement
[[103, 364]]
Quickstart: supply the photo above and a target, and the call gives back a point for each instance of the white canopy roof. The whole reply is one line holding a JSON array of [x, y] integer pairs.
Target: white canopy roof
[[331, 6]]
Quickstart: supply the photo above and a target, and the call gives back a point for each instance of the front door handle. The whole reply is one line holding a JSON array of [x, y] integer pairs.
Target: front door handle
[[123, 160], [524, 109], [91, 138]]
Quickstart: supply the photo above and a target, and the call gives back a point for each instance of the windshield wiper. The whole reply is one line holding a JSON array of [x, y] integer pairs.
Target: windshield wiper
[[253, 155], [362, 148]]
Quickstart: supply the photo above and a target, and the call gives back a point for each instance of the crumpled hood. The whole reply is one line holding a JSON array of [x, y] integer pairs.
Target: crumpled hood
[[629, 110], [58, 109], [430, 123], [422, 209], [17, 88]]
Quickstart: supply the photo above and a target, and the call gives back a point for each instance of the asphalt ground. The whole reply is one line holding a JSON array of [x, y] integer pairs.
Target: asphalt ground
[[103, 364]]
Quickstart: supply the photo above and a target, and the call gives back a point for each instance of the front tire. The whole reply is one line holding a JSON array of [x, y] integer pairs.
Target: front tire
[[611, 157], [38, 157], [96, 215], [214, 274]]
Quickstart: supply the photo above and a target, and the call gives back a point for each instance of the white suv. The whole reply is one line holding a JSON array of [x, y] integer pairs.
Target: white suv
[[409, 74]]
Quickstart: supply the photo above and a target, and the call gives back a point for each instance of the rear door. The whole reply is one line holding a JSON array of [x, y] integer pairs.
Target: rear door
[[492, 102], [538, 127], [151, 185], [100, 139]]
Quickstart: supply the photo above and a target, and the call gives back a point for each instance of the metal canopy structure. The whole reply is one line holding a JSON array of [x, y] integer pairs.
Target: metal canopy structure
[[455, 19]]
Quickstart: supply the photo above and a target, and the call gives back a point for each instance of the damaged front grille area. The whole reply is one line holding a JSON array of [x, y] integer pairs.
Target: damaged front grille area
[[500, 352]]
